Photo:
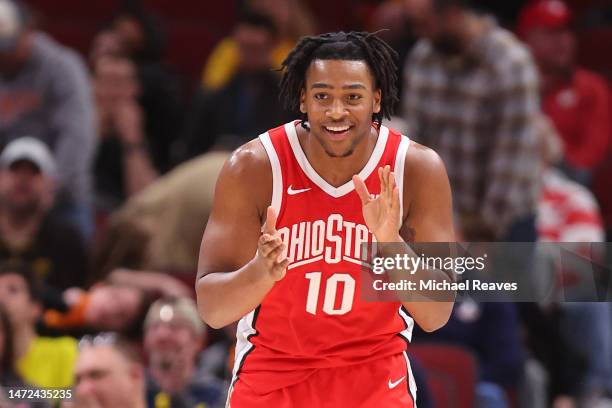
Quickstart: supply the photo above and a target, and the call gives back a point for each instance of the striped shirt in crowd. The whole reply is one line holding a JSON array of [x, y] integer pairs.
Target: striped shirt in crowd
[[477, 111]]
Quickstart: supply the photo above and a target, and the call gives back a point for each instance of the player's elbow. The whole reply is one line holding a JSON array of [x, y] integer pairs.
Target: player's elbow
[[437, 318], [431, 326], [206, 308], [208, 315]]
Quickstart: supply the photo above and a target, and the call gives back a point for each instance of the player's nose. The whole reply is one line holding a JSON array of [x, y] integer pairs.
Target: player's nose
[[337, 110]]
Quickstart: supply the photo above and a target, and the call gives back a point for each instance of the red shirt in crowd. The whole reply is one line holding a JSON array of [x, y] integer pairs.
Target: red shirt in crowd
[[580, 110]]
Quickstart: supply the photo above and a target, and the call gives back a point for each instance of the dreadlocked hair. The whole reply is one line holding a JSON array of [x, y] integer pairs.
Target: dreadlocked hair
[[352, 46]]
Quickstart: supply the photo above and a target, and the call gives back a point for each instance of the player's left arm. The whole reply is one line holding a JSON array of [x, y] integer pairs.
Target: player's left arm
[[429, 219]]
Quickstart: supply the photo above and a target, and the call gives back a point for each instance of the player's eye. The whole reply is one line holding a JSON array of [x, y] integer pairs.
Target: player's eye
[[354, 97], [320, 96]]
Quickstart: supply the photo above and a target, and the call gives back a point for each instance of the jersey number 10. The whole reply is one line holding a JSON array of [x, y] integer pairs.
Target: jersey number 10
[[329, 299]]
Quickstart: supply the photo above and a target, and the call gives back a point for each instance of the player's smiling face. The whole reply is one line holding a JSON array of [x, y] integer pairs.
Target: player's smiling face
[[340, 97]]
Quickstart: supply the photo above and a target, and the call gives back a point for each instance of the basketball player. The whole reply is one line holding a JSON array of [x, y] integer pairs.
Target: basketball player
[[321, 187]]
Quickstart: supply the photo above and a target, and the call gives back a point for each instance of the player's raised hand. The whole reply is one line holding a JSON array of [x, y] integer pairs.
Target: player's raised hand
[[381, 214], [271, 250]]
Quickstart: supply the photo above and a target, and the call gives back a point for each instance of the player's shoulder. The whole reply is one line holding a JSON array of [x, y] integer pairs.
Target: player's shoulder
[[247, 175], [250, 159], [422, 163]]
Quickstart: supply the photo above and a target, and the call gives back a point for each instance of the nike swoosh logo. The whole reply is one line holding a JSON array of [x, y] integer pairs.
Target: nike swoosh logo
[[291, 191], [392, 385]]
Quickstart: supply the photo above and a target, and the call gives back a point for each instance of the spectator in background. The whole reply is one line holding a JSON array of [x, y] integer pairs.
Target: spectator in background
[[174, 337], [123, 164], [247, 104], [109, 373], [29, 232], [141, 38], [491, 331], [45, 93], [106, 43], [292, 20], [8, 376], [388, 20], [160, 229], [104, 307], [40, 361], [568, 213], [575, 99], [471, 93]]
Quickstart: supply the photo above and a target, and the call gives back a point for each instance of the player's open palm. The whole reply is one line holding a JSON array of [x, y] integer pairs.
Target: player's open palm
[[271, 250], [381, 214]]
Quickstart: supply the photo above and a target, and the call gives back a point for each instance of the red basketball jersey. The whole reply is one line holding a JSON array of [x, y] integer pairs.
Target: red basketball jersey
[[314, 317]]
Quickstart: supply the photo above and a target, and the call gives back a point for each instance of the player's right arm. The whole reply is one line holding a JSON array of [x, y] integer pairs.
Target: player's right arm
[[239, 263]]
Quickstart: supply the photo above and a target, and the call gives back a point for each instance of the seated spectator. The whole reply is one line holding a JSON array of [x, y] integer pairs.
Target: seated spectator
[[248, 103], [575, 99], [40, 361], [45, 93], [568, 213], [141, 39], [8, 375], [29, 231], [160, 229], [174, 337], [123, 164], [104, 307], [293, 21], [106, 43], [109, 373]]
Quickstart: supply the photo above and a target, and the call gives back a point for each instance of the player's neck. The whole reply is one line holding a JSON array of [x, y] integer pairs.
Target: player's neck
[[336, 170]]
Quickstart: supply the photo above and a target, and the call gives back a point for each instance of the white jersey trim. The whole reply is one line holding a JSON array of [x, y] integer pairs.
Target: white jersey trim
[[400, 161], [310, 172], [277, 174], [411, 383], [407, 332], [244, 331]]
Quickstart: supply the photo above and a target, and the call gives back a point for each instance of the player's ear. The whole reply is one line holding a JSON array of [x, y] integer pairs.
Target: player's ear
[[302, 101], [376, 101]]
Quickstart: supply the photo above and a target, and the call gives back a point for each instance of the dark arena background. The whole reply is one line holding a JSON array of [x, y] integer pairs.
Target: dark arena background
[[117, 116]]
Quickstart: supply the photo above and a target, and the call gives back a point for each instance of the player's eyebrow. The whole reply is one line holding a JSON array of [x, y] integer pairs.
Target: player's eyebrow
[[354, 86], [327, 86]]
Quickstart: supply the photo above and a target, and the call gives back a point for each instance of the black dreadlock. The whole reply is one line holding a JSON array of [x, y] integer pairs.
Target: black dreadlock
[[351, 46]]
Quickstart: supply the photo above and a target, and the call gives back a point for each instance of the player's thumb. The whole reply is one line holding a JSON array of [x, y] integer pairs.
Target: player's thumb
[[270, 225]]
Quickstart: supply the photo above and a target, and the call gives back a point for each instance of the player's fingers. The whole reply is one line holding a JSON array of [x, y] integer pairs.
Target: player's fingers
[[395, 201], [383, 182], [270, 225], [280, 269], [276, 253], [362, 189], [266, 248], [391, 182], [266, 239]]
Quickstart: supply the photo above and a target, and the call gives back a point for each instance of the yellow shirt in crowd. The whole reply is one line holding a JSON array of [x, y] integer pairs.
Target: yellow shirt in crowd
[[223, 62], [49, 362]]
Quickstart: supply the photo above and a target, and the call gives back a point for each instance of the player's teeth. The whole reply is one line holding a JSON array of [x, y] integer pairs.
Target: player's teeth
[[337, 129]]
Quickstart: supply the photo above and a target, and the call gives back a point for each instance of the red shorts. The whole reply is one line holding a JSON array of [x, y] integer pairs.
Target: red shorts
[[387, 382]]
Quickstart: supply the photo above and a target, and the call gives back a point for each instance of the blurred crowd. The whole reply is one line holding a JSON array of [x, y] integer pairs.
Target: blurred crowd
[[108, 161]]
